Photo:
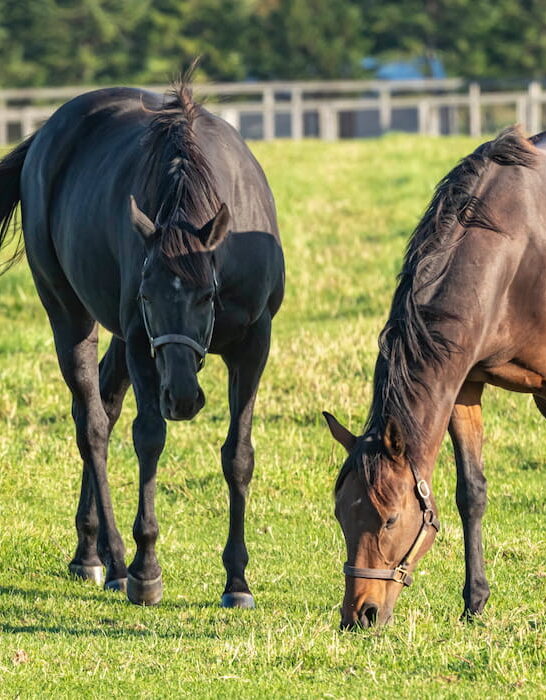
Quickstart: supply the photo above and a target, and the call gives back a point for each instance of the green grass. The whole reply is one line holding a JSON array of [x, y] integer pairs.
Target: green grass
[[345, 210]]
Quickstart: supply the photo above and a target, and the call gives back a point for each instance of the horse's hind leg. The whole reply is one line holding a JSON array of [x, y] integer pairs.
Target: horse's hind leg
[[114, 382], [466, 430], [76, 337], [245, 362]]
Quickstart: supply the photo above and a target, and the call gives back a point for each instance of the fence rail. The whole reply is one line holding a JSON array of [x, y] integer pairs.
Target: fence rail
[[321, 109]]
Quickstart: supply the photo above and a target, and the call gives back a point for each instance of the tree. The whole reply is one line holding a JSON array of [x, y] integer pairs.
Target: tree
[[176, 31], [299, 39], [55, 42], [474, 38]]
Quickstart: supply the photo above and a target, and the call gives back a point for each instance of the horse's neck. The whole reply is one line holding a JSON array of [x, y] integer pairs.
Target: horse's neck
[[432, 408]]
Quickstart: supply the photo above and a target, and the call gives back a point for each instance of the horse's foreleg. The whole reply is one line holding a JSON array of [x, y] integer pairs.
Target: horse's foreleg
[[144, 584], [466, 430], [245, 363], [114, 382]]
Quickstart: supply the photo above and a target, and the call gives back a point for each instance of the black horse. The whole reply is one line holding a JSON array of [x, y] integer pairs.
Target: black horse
[[204, 273]]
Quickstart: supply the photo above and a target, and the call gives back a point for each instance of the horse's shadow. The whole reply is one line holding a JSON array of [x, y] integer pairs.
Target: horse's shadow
[[112, 627]]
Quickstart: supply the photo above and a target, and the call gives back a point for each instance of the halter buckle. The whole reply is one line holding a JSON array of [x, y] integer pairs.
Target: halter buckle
[[402, 574]]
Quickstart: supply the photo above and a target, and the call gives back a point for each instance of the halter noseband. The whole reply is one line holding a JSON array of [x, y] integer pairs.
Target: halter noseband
[[400, 574], [168, 338]]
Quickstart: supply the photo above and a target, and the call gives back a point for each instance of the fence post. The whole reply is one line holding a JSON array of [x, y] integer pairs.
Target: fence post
[[422, 117], [297, 113], [327, 123], [521, 112], [434, 120], [385, 111], [27, 122], [474, 109], [535, 107], [231, 116], [268, 101]]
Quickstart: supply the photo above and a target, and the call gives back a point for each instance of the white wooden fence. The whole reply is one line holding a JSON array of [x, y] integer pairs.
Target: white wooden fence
[[325, 109]]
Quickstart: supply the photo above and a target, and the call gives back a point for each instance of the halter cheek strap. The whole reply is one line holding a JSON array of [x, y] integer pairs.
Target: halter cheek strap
[[400, 574]]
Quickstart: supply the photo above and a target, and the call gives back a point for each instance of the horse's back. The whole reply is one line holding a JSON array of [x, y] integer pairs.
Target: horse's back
[[79, 149], [75, 132], [75, 186], [239, 178]]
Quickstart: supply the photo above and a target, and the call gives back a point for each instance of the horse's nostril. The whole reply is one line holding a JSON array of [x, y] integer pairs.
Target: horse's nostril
[[368, 614]]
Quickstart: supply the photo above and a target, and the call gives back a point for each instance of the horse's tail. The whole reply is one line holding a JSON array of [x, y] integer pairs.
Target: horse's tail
[[10, 195]]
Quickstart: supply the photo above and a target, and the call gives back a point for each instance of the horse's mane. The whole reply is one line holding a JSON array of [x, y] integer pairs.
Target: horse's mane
[[411, 339], [179, 181]]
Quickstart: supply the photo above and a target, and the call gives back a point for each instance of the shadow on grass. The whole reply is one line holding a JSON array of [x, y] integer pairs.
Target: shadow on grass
[[102, 596], [112, 597], [108, 631], [148, 625]]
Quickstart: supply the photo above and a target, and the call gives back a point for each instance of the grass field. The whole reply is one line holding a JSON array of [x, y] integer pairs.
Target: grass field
[[345, 210]]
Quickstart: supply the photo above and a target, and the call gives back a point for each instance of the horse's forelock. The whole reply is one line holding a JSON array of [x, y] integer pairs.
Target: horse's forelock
[[179, 182], [185, 255]]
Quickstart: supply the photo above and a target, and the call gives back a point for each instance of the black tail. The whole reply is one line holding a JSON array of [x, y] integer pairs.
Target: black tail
[[10, 195]]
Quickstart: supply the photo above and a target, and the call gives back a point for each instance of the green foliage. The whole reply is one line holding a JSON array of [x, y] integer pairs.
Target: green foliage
[[345, 210], [475, 38], [49, 42], [314, 39], [175, 31], [56, 42]]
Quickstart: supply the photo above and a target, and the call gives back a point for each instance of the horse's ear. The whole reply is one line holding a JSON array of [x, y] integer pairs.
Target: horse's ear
[[141, 223], [215, 230], [339, 432], [393, 439]]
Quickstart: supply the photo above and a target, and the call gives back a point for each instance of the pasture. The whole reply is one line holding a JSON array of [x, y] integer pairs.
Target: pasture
[[345, 213]]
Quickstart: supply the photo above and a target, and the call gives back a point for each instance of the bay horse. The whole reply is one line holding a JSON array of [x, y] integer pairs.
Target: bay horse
[[198, 269], [469, 310]]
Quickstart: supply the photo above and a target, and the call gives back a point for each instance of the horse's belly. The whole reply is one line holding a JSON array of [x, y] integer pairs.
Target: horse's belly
[[511, 376], [98, 288]]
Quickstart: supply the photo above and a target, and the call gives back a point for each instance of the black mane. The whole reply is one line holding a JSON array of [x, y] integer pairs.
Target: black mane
[[180, 178], [410, 340]]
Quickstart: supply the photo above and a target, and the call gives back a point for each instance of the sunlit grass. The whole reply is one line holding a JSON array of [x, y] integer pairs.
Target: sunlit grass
[[345, 211]]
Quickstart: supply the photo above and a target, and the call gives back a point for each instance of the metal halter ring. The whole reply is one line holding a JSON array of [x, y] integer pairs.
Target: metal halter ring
[[423, 489]]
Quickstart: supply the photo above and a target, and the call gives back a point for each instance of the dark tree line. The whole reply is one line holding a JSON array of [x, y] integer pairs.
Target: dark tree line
[[54, 42]]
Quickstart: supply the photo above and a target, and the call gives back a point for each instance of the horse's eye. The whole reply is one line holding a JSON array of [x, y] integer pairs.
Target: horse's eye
[[205, 299], [390, 522]]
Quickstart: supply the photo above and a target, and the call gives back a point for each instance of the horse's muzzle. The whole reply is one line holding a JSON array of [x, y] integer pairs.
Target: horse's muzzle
[[369, 615], [181, 407]]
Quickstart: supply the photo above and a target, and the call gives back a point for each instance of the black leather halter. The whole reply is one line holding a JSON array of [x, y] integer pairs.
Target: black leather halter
[[400, 574], [167, 338]]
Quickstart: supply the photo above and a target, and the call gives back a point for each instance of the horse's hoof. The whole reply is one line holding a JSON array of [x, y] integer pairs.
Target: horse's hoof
[[237, 600], [118, 585], [144, 592], [87, 573]]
